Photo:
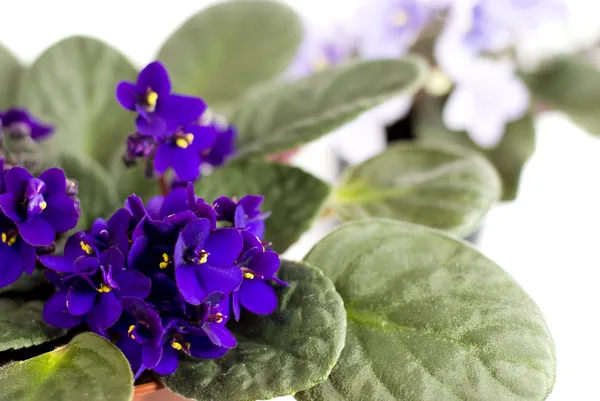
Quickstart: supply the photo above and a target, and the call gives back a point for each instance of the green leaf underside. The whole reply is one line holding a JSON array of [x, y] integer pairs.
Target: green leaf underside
[[293, 196], [97, 191], [10, 74], [509, 156], [22, 325], [429, 319], [291, 350], [89, 368], [72, 86], [437, 187], [570, 85], [281, 116], [222, 51]]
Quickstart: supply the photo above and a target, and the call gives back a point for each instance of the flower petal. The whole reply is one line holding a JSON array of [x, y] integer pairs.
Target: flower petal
[[80, 299], [251, 204], [181, 109], [186, 163], [62, 212], [16, 180], [163, 159], [56, 313], [224, 246], [258, 297], [202, 347], [196, 233], [265, 263], [169, 361], [8, 205], [126, 95], [56, 181], [132, 351], [152, 126], [133, 283], [151, 355], [106, 312], [174, 202], [189, 285], [11, 265], [58, 263], [37, 231], [204, 136], [155, 77], [220, 335], [225, 208], [219, 279], [28, 257]]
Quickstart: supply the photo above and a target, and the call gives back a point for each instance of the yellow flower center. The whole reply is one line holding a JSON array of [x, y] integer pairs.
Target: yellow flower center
[[249, 276], [400, 18], [151, 99], [43, 205], [184, 141], [8, 238], [165, 263], [203, 257], [178, 346], [104, 288], [130, 330], [86, 247], [219, 317]]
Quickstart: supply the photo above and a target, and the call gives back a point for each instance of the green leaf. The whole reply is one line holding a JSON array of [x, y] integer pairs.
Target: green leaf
[[72, 85], [433, 186], [88, 368], [509, 156], [293, 196], [27, 283], [281, 116], [97, 191], [570, 85], [132, 180], [10, 77], [222, 51], [429, 319], [22, 325], [291, 350]]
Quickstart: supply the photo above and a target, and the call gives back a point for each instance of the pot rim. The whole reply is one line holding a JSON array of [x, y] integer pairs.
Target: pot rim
[[148, 388]]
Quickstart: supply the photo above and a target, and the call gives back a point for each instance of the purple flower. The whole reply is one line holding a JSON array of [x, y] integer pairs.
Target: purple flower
[[245, 214], [255, 293], [165, 297], [2, 175], [91, 288], [160, 112], [18, 122], [181, 199], [40, 207], [182, 151], [139, 146], [204, 260], [391, 27], [16, 255], [223, 148]]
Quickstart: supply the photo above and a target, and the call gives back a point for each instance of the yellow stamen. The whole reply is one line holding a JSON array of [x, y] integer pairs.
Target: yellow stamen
[[176, 345], [165, 263], [203, 257], [438, 83], [104, 288], [130, 330], [8, 239], [320, 63], [43, 205], [219, 317], [182, 143], [151, 98], [400, 18], [249, 276], [86, 247], [189, 138]]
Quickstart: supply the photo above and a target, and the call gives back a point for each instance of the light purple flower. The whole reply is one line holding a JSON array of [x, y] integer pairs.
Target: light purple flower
[[482, 105]]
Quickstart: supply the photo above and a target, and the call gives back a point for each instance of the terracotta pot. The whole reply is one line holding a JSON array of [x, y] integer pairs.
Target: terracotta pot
[[155, 391]]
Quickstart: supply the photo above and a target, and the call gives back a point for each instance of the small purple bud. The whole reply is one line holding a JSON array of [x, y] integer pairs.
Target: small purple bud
[[139, 146]]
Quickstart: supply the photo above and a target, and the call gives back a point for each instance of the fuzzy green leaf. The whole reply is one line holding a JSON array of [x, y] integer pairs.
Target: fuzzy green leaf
[[10, 78], [429, 319], [291, 350]]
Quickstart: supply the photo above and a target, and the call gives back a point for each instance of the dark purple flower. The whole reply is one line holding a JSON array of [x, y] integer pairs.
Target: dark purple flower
[[243, 214], [40, 207], [103, 235], [178, 200], [16, 255], [165, 297], [18, 122], [255, 293], [160, 112], [91, 288], [142, 341], [139, 147], [223, 148], [2, 175], [214, 314], [204, 260], [182, 151]]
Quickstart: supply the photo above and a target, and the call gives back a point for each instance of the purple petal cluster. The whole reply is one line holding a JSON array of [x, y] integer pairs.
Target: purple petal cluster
[[33, 210], [172, 130], [18, 122], [163, 279]]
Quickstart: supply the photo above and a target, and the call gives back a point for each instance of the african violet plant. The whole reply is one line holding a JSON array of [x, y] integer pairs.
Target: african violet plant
[[115, 270]]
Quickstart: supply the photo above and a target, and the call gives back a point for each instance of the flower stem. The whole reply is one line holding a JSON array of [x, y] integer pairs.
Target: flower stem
[[164, 187]]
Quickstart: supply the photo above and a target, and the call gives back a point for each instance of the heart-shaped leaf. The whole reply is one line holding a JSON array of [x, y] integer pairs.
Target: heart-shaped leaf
[[22, 325], [509, 156], [429, 319], [291, 350], [88, 368], [437, 187], [97, 191], [10, 77], [72, 85], [293, 196], [222, 51], [570, 85], [281, 116]]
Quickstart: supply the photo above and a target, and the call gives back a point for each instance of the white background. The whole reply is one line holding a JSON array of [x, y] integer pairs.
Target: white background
[[548, 240]]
